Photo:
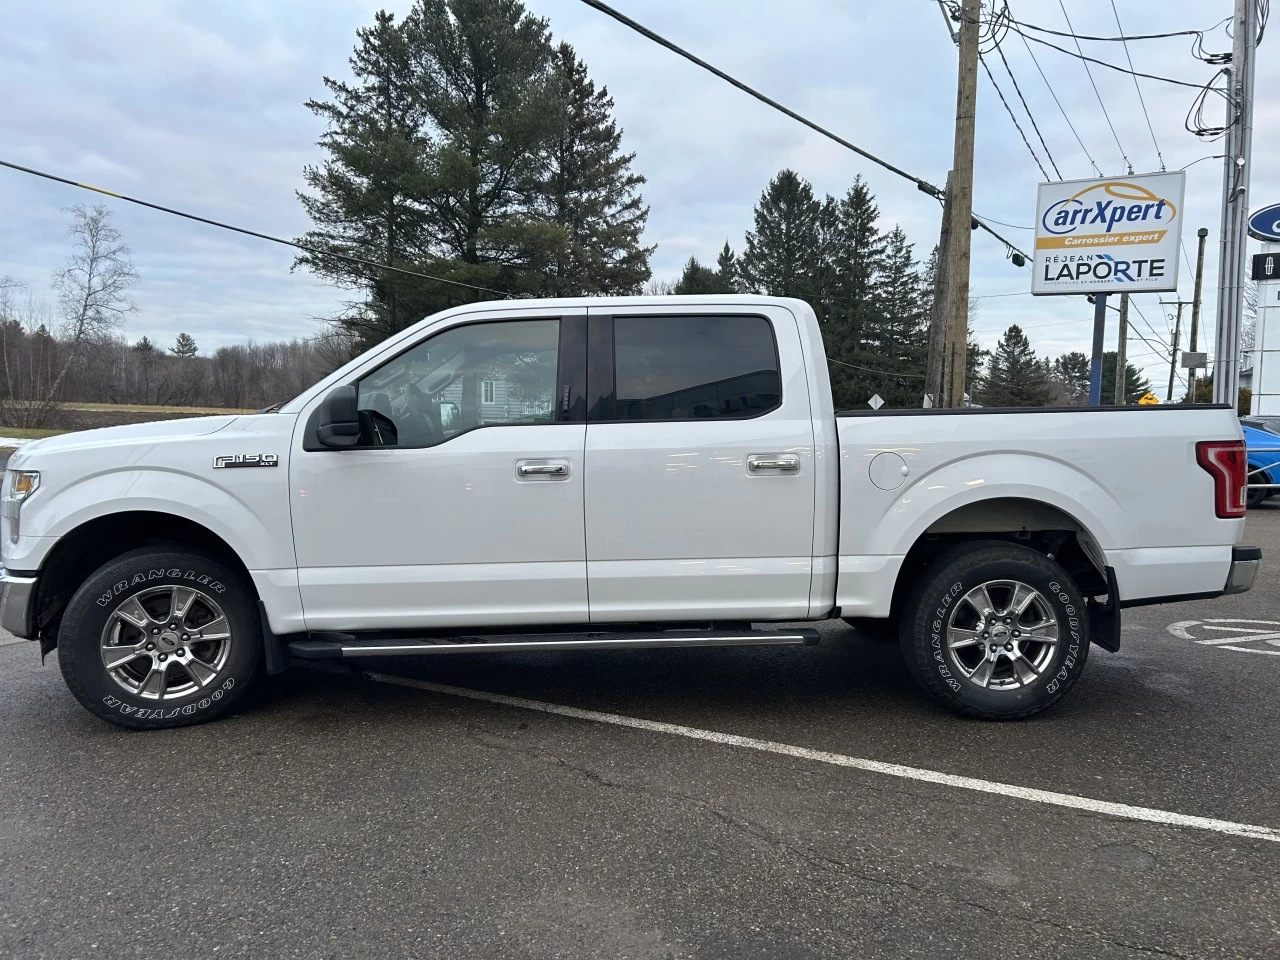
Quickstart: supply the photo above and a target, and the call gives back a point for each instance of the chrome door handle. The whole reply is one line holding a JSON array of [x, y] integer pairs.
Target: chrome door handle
[[551, 469], [783, 463]]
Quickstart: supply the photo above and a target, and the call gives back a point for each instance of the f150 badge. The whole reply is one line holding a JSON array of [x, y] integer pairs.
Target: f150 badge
[[246, 460]]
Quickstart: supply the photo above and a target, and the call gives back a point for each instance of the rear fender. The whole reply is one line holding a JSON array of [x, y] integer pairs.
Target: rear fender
[[1003, 475]]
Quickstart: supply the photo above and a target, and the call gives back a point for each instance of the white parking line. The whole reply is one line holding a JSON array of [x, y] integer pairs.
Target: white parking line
[[1123, 810]]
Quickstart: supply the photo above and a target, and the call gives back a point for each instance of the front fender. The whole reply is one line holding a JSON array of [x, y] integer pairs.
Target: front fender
[[252, 518]]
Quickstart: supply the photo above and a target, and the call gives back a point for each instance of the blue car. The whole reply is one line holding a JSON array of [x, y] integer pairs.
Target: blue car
[[1262, 434]]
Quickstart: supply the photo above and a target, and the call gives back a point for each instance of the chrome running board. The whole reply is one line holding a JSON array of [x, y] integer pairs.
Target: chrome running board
[[353, 646]]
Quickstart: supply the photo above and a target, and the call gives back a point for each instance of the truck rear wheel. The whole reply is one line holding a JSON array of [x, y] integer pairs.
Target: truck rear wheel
[[996, 631], [160, 638]]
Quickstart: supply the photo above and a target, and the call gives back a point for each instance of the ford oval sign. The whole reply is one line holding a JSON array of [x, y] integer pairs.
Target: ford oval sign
[[1265, 224]]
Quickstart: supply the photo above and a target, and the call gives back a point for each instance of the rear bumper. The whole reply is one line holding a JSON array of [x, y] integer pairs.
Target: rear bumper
[[1242, 571], [1245, 562], [16, 594]]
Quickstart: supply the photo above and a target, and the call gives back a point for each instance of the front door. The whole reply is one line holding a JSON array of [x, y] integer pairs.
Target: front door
[[700, 467], [463, 503]]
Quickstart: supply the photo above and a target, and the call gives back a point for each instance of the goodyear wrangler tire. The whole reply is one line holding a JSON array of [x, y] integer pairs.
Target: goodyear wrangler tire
[[996, 631], [160, 638]]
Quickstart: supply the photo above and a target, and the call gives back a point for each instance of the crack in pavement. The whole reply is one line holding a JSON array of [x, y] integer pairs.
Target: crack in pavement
[[497, 742]]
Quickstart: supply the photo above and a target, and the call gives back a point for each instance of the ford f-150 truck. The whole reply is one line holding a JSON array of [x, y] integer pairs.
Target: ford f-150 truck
[[608, 473]]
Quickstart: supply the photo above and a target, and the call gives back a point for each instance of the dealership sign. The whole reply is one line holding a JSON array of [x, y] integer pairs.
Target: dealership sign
[[1111, 235], [1265, 224]]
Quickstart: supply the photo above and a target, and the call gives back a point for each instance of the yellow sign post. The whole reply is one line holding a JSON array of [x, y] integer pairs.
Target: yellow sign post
[[1148, 399]]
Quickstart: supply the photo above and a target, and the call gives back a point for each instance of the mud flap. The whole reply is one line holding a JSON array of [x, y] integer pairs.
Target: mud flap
[[1104, 616], [274, 651]]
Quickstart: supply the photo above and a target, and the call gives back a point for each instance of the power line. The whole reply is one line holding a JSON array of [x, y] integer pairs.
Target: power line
[[1136, 87], [1120, 39], [1030, 116], [883, 373], [1009, 110], [1012, 226], [1103, 63], [1054, 94], [249, 233], [923, 185], [1157, 344], [1096, 92]]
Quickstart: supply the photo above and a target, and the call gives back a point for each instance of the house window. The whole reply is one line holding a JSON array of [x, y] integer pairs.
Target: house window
[[487, 391]]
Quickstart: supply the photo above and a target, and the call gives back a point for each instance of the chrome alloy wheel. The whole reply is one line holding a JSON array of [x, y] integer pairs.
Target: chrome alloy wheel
[[166, 642], [1002, 634]]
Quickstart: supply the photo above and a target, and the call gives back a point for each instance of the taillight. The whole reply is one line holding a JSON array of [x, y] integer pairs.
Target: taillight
[[1226, 462]]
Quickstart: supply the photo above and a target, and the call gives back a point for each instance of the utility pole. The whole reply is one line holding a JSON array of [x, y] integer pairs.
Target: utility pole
[[1202, 233], [961, 213], [1173, 354], [935, 370], [1235, 203], [1122, 352]]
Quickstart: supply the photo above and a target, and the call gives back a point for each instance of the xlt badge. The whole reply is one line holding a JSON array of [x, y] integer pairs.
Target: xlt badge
[[246, 460]]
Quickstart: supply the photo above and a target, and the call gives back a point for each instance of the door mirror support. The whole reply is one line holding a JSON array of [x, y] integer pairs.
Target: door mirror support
[[339, 425]]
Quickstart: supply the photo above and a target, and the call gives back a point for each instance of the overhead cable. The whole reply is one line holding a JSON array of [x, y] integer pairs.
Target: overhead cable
[[921, 184], [250, 233], [1030, 116], [1129, 57], [1124, 156], [1111, 66], [1061, 109], [1009, 110]]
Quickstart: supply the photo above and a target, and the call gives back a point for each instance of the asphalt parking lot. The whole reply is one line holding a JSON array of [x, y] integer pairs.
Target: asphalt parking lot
[[343, 816]]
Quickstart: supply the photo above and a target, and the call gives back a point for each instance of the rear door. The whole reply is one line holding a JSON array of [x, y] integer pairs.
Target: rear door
[[700, 477]]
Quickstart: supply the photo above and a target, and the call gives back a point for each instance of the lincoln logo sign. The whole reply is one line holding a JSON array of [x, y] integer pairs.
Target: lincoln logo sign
[[1111, 235]]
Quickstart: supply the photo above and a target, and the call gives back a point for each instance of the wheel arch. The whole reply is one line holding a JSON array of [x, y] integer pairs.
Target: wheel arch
[[1045, 527], [97, 541]]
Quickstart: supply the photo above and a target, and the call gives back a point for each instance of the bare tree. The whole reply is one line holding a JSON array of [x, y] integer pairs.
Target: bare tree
[[30, 354], [93, 300]]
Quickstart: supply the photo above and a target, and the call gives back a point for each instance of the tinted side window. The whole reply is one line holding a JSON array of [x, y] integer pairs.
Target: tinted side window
[[477, 375], [695, 368]]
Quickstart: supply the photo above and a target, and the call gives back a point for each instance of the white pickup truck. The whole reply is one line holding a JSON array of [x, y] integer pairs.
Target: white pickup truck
[[608, 473]]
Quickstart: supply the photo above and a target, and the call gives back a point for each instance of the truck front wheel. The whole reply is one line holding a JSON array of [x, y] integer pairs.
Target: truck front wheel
[[160, 638], [996, 631]]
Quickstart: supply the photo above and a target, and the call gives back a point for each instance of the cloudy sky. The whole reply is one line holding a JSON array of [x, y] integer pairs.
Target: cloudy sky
[[199, 106]]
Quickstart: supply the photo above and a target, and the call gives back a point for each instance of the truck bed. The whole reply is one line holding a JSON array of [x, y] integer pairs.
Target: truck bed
[[1126, 478]]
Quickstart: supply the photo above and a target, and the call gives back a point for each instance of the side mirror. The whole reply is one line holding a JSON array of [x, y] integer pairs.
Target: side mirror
[[448, 415], [339, 425]]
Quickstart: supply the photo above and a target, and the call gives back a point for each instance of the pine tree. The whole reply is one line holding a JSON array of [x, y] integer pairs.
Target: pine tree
[[898, 335], [852, 254], [1135, 384], [1071, 373], [148, 357], [858, 256], [780, 256], [698, 278], [1015, 378], [467, 148], [363, 195], [483, 79], [727, 269], [184, 346], [592, 193]]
